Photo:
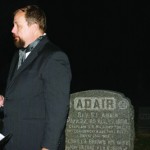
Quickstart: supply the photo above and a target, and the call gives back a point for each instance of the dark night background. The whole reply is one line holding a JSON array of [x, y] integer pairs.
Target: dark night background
[[107, 43]]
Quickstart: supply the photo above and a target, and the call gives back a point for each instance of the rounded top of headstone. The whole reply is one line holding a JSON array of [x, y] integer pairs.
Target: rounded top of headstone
[[122, 101]]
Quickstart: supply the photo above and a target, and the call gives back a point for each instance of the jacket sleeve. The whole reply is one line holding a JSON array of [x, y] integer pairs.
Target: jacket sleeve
[[56, 80]]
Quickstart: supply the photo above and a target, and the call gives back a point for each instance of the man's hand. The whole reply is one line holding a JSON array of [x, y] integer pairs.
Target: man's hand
[[1, 101], [44, 149]]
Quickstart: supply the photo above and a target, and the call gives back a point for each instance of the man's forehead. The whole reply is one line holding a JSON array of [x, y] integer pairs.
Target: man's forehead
[[20, 16]]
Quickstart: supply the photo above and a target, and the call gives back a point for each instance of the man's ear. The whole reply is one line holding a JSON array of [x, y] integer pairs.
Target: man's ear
[[34, 27]]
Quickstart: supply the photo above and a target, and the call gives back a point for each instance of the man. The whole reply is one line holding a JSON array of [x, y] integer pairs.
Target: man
[[36, 101]]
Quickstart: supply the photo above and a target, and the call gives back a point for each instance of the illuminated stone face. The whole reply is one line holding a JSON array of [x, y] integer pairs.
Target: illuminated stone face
[[100, 120]]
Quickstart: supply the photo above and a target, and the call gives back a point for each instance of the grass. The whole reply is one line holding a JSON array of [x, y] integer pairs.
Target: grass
[[142, 141]]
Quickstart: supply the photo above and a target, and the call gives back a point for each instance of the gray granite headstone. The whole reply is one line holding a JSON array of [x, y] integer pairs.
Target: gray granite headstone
[[100, 120]]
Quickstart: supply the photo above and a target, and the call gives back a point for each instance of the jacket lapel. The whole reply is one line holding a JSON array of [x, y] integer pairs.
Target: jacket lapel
[[14, 73]]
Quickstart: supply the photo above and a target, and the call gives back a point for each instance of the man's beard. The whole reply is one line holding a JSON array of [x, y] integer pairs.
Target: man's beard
[[19, 43]]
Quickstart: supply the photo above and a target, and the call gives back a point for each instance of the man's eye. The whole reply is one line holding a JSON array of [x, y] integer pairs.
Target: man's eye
[[19, 27]]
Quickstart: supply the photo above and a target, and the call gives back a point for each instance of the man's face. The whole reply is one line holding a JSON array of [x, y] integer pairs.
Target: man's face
[[21, 31]]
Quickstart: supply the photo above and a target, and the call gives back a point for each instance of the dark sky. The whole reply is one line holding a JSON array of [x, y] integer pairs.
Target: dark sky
[[107, 43]]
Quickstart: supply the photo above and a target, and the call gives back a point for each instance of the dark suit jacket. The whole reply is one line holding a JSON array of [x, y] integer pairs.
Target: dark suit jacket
[[37, 99]]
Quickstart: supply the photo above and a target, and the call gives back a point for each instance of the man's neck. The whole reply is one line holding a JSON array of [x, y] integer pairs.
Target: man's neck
[[35, 37]]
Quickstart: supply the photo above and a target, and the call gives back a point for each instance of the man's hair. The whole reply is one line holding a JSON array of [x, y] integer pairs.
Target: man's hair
[[34, 14]]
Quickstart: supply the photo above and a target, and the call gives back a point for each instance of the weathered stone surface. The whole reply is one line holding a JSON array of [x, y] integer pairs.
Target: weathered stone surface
[[100, 120]]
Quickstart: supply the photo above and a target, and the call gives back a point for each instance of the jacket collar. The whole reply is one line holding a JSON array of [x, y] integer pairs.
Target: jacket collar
[[13, 70]]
